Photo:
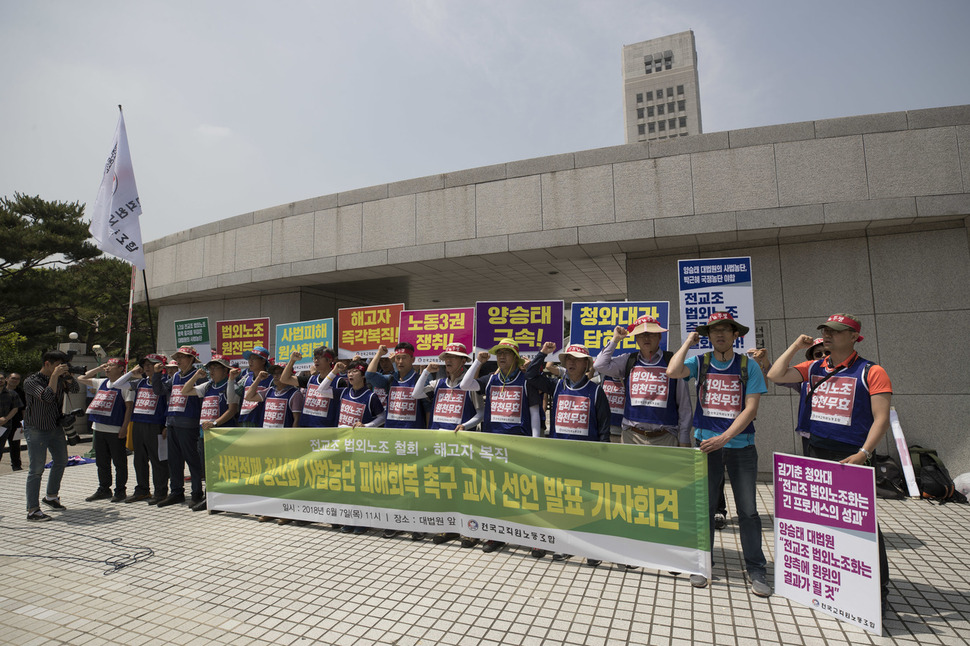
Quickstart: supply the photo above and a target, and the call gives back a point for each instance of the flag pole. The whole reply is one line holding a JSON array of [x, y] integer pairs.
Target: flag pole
[[131, 305], [148, 302]]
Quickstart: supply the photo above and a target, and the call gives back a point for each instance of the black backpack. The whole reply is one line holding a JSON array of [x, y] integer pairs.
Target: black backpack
[[932, 477], [890, 482]]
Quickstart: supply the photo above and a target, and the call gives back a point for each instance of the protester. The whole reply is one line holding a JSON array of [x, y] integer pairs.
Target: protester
[[251, 410], [729, 388], [513, 404], [182, 427], [403, 411], [359, 406], [318, 411], [283, 404], [580, 410], [44, 432], [16, 424], [148, 433], [220, 405], [10, 407], [110, 414], [452, 408], [847, 402], [656, 410]]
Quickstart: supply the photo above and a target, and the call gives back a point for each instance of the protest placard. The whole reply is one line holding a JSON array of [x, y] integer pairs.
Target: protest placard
[[236, 336], [302, 337], [529, 323], [826, 542], [362, 329], [430, 331], [592, 324], [711, 285], [194, 332]]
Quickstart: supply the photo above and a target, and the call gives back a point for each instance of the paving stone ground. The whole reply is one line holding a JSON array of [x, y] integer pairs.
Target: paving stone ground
[[227, 579]]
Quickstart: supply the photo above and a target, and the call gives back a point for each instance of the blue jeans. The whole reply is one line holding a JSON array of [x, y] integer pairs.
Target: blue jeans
[[742, 468], [39, 442]]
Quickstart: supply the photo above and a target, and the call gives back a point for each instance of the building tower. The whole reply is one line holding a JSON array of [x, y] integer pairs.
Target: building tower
[[661, 95]]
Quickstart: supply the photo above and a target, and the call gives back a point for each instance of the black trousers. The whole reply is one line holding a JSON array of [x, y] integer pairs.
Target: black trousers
[[7, 439], [110, 449], [145, 438], [837, 456]]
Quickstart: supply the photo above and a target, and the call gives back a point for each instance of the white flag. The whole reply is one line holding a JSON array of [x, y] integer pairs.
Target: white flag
[[114, 217]]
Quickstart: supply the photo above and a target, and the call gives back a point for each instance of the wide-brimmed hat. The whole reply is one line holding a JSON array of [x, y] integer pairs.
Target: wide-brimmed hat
[[188, 351], [258, 350], [645, 324], [575, 350], [721, 317], [155, 358], [456, 349], [506, 344], [218, 358], [811, 349], [843, 322]]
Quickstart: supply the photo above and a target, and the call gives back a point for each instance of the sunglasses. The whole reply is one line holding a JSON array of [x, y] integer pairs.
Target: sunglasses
[[819, 354]]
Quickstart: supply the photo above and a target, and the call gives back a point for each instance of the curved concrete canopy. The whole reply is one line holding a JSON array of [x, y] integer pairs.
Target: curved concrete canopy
[[561, 226]]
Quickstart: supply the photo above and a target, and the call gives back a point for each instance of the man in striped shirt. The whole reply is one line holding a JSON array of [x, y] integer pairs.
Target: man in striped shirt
[[45, 399]]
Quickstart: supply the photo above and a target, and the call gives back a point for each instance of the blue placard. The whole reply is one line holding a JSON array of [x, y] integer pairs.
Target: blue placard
[[592, 324]]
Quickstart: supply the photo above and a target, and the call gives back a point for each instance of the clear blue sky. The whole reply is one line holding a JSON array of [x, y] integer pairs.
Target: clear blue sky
[[233, 106]]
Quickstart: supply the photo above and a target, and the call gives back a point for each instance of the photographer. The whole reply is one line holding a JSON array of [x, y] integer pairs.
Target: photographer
[[44, 432]]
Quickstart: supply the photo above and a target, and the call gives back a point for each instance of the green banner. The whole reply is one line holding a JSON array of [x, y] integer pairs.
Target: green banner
[[629, 504]]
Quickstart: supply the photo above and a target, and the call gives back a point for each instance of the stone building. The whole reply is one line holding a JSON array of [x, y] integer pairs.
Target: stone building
[[864, 214]]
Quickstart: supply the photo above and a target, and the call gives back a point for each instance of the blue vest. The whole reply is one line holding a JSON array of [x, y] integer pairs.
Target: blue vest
[[361, 406], [318, 411], [108, 406], [507, 406], [720, 398], [651, 397], [277, 413], [615, 390], [149, 407], [215, 403], [452, 406], [574, 412], [402, 410], [180, 405], [254, 410], [841, 407]]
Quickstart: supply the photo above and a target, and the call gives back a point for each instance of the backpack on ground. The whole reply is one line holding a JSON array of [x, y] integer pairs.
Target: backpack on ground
[[932, 477], [890, 482]]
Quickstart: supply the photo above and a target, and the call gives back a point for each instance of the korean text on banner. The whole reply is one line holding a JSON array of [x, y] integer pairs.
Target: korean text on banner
[[194, 332], [114, 215], [235, 337], [637, 505], [592, 324], [430, 331], [529, 323], [826, 543], [362, 329], [711, 285], [303, 337]]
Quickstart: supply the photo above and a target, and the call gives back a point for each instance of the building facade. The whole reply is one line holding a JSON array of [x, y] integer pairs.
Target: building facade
[[866, 215], [661, 95]]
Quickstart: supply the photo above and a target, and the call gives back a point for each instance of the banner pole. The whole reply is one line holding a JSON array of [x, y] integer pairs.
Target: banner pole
[[148, 302], [131, 304]]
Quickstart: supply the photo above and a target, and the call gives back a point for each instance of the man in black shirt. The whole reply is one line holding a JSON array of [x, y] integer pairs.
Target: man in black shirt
[[10, 407]]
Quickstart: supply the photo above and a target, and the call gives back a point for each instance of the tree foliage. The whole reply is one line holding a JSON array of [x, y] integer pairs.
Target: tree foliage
[[51, 276]]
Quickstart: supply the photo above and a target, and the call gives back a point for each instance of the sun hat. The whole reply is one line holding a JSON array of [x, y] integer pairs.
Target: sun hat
[[721, 317]]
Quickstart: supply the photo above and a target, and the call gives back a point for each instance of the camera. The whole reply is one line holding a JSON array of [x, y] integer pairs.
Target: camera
[[66, 422]]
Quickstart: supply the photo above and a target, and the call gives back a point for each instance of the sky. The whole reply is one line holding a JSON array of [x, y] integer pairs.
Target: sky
[[234, 106]]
